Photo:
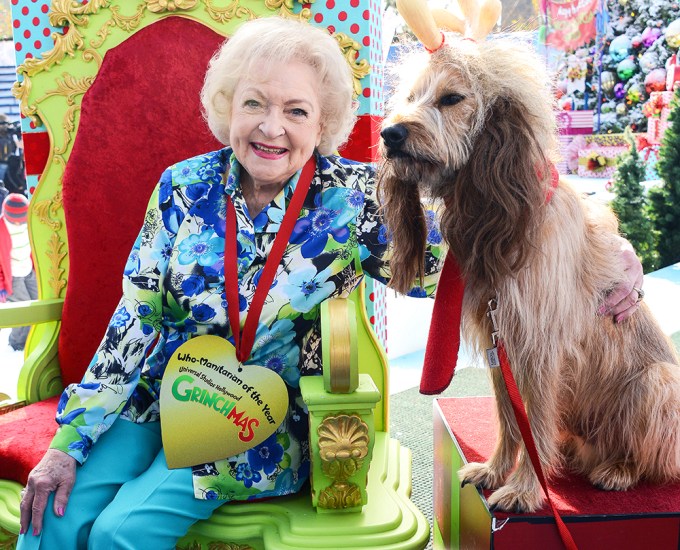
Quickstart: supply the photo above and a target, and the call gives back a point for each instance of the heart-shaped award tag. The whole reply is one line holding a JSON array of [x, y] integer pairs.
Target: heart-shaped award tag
[[212, 407]]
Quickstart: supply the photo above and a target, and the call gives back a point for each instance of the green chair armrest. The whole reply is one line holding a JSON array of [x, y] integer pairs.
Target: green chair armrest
[[31, 312]]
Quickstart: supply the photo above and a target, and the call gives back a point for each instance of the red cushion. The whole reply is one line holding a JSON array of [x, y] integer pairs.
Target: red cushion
[[473, 422], [26, 435], [140, 115]]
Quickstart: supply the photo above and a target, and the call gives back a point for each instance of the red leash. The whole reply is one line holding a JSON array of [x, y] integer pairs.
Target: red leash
[[441, 355], [525, 429]]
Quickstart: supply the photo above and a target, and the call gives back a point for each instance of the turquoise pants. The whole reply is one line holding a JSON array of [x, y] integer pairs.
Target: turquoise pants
[[125, 497]]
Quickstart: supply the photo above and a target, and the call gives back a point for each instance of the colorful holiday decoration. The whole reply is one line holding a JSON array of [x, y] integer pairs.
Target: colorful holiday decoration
[[626, 68], [636, 93], [570, 23], [608, 81], [673, 34], [655, 81], [620, 48], [650, 35], [648, 61], [672, 73]]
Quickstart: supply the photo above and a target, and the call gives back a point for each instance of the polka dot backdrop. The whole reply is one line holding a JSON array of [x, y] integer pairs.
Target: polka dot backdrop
[[31, 183], [361, 21], [32, 36], [380, 312]]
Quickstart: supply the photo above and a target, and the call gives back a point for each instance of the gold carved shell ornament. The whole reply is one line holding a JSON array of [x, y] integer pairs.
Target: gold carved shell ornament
[[343, 445]]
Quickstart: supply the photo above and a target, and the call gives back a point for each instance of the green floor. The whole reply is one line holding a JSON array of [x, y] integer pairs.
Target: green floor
[[411, 424]]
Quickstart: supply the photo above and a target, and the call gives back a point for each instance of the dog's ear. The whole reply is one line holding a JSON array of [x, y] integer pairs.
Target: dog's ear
[[498, 195], [404, 217]]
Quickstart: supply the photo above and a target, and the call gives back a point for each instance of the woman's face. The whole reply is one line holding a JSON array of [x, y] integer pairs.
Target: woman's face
[[275, 121]]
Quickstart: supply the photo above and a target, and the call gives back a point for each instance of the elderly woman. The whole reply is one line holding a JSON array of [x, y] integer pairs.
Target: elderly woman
[[279, 95], [257, 234]]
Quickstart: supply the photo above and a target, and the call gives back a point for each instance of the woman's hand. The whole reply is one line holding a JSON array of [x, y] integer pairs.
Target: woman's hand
[[56, 472], [623, 301]]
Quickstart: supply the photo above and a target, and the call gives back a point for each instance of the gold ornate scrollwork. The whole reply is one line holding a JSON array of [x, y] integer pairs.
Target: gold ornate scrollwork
[[350, 49], [8, 540], [47, 211], [56, 254], [343, 446], [285, 9], [160, 6], [69, 87], [340, 495], [224, 15]]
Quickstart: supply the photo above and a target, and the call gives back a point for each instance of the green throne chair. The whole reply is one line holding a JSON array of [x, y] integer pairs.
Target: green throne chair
[[106, 109]]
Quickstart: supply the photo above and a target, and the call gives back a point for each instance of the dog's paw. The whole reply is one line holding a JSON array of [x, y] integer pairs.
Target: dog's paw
[[509, 499], [613, 477], [481, 475]]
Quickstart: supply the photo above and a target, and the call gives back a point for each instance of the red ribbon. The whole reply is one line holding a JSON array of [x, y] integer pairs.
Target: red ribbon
[[243, 342]]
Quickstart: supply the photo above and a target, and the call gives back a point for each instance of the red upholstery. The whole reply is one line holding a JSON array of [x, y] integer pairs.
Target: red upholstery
[[26, 435], [141, 115], [473, 422]]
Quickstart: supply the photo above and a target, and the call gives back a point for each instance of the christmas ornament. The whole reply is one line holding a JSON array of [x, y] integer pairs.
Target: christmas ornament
[[623, 2], [648, 61], [619, 48], [626, 68], [673, 34], [621, 109], [649, 36], [608, 80], [636, 41], [635, 94], [619, 91], [655, 81]]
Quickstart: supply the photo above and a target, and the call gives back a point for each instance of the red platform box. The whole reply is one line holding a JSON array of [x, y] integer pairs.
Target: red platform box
[[646, 518]]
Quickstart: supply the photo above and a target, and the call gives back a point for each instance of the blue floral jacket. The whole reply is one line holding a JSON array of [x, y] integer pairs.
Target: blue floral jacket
[[173, 289]]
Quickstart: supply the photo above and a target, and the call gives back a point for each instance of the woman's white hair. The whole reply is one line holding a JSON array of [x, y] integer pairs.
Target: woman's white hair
[[280, 40]]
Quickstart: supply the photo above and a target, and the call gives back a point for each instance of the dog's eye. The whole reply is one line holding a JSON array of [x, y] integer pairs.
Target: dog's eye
[[450, 99], [411, 98]]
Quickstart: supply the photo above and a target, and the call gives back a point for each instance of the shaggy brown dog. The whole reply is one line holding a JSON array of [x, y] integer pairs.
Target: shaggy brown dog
[[472, 127]]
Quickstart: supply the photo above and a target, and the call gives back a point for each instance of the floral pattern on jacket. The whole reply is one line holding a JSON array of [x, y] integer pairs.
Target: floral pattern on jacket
[[173, 289]]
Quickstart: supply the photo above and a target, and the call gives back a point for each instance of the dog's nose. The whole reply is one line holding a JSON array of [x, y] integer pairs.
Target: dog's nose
[[395, 135]]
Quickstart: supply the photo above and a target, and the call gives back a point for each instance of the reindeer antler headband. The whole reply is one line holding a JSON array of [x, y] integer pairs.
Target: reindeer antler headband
[[475, 20]]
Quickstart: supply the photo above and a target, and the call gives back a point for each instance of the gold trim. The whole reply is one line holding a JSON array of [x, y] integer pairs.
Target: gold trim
[[350, 49], [340, 495], [160, 6], [128, 22], [69, 87], [340, 346], [343, 445], [224, 15], [10, 539], [55, 255], [285, 9], [93, 55]]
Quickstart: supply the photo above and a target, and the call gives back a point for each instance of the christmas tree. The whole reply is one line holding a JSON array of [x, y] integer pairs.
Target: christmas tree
[[631, 207], [665, 200], [639, 38]]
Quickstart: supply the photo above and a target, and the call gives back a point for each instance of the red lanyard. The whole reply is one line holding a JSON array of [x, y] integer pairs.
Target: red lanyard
[[244, 342]]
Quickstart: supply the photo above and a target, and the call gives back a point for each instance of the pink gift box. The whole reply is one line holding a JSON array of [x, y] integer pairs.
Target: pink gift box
[[588, 165], [656, 128], [575, 122]]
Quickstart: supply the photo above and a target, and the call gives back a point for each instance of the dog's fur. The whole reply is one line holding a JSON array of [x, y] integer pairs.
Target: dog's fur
[[603, 398]]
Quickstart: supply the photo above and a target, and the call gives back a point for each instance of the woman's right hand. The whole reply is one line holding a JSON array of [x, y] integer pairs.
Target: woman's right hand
[[56, 472]]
